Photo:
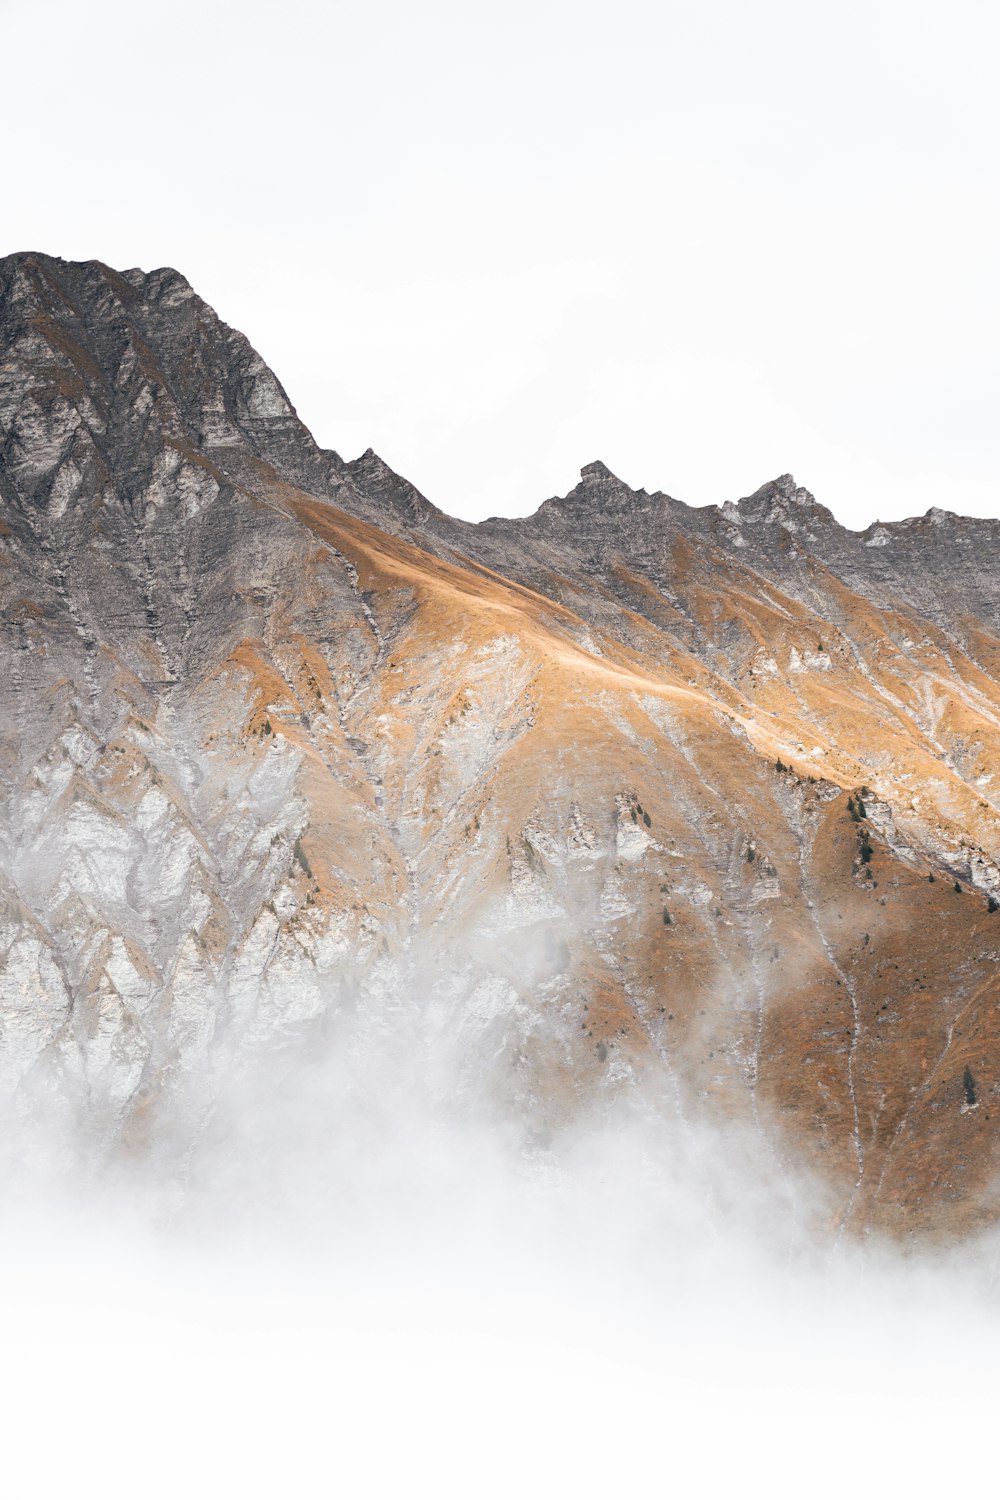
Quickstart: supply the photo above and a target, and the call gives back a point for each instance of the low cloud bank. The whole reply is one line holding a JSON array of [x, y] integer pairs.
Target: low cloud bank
[[206, 1364], [334, 1271]]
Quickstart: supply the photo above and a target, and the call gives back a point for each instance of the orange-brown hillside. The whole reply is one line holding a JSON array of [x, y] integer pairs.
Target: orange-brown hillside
[[696, 810]]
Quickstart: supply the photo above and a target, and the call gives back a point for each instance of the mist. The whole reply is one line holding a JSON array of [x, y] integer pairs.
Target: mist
[[336, 1263], [339, 1240]]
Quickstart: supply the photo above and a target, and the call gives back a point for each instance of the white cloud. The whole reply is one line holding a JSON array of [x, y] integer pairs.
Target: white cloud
[[707, 242]]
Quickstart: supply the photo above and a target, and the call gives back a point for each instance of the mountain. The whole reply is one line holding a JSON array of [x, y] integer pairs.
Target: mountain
[[695, 809]]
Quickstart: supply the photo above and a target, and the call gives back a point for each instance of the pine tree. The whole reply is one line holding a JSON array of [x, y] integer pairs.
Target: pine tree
[[969, 1085]]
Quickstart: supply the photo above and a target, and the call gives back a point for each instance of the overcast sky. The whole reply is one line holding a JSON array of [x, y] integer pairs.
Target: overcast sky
[[708, 243]]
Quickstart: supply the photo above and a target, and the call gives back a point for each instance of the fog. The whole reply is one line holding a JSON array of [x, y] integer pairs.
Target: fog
[[331, 1269], [221, 1372]]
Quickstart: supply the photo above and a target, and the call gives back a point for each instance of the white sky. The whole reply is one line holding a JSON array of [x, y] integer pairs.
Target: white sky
[[708, 243]]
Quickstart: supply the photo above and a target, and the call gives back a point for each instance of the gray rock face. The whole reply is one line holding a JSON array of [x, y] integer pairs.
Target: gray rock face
[[945, 567], [287, 754], [140, 869]]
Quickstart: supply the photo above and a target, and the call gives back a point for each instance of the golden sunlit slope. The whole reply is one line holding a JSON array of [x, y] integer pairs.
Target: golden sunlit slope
[[672, 910]]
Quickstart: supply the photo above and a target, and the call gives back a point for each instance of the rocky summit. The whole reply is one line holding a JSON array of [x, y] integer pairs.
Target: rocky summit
[[693, 810]]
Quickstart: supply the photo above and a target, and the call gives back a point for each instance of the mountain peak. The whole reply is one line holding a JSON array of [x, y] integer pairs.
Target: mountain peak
[[124, 362], [784, 501], [598, 473], [372, 478]]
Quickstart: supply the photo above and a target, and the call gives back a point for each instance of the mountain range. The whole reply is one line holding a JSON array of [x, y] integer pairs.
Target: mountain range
[[696, 808]]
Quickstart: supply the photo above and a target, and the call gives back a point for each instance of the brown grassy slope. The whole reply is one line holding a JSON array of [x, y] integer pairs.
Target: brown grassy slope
[[831, 1004]]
